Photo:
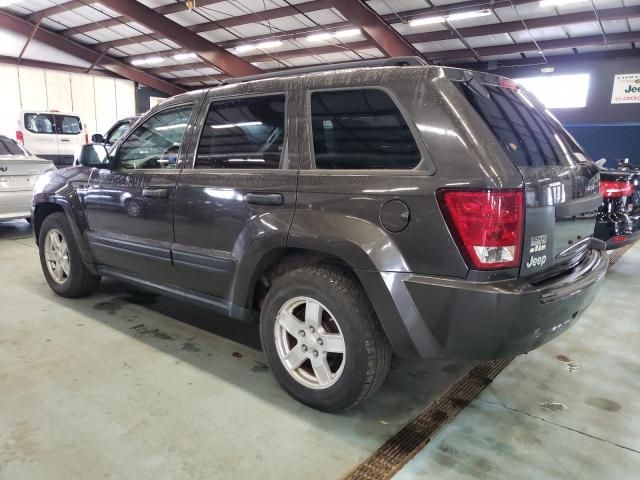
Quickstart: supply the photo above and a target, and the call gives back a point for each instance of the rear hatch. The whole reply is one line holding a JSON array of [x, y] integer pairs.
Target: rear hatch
[[561, 182]]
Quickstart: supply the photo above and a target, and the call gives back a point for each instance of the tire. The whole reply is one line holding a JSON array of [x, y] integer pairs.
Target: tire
[[354, 375], [78, 281]]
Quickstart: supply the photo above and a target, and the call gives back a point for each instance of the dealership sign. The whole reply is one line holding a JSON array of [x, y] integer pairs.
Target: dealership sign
[[626, 88]]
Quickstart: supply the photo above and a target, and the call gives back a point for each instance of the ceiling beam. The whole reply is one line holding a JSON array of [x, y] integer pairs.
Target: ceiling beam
[[385, 37], [207, 51], [551, 60], [25, 62], [574, 42], [23, 27]]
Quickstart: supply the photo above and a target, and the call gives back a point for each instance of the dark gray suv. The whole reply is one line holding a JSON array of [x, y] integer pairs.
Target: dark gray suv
[[354, 213]]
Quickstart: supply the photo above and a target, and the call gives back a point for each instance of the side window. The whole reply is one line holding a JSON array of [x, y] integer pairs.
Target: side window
[[155, 143], [117, 132], [360, 129], [68, 125], [39, 123], [243, 133]]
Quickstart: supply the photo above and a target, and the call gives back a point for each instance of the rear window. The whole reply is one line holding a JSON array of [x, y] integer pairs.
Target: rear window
[[68, 125], [361, 129], [40, 123], [530, 136], [11, 147]]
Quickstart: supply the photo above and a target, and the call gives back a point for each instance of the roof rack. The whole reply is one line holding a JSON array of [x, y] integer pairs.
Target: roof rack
[[378, 62]]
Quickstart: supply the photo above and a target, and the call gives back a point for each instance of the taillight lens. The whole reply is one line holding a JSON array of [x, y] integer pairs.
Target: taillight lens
[[615, 189], [488, 225], [20, 137]]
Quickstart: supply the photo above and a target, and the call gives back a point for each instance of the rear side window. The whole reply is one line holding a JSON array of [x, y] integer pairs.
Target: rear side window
[[243, 133], [39, 123], [360, 129], [527, 133], [11, 147], [68, 125]]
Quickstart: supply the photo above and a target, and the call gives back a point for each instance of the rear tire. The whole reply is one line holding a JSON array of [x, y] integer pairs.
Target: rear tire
[[61, 260], [306, 364]]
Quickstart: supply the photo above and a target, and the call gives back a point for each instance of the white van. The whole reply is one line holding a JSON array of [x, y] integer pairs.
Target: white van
[[51, 135]]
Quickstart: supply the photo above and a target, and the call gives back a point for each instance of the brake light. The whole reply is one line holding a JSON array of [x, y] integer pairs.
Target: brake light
[[619, 238], [508, 84], [615, 189], [487, 224], [20, 137]]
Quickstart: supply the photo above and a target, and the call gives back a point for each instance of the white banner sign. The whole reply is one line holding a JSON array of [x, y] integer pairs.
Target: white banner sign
[[626, 88]]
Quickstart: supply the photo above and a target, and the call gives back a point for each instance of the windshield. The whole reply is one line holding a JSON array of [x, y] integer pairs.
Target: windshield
[[530, 136]]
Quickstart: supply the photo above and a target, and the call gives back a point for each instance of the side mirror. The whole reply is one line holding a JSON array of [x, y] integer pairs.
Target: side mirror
[[94, 155], [97, 138]]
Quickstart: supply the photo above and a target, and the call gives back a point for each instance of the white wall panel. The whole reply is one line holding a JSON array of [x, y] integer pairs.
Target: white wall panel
[[106, 111], [58, 91], [10, 98], [125, 98], [33, 89], [84, 102]]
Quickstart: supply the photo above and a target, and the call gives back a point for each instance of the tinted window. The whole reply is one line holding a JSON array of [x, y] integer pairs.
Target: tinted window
[[243, 133], [68, 125], [526, 132], [39, 123], [357, 129], [155, 143], [11, 147]]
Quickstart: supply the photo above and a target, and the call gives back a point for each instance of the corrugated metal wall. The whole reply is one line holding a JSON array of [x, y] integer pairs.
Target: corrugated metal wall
[[99, 101]]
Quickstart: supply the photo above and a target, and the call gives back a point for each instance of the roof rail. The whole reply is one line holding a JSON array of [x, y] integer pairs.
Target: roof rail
[[378, 62]]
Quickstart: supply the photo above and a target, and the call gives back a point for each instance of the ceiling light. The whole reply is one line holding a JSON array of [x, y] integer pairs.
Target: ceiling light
[[322, 36], [245, 48], [269, 44], [152, 60], [6, 3], [548, 69], [557, 3], [347, 33], [138, 61], [184, 56], [465, 15], [426, 21], [451, 18]]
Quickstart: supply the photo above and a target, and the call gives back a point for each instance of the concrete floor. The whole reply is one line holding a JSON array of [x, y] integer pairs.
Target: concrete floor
[[130, 385]]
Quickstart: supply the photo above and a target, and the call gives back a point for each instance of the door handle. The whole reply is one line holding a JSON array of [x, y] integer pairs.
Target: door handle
[[65, 140], [275, 199], [155, 192]]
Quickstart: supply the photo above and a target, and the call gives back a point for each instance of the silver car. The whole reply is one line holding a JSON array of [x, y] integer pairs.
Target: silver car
[[19, 171]]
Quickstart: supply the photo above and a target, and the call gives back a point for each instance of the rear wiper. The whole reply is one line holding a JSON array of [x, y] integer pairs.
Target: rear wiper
[[474, 85]]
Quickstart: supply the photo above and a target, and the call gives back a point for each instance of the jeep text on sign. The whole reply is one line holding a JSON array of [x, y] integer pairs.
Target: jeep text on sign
[[626, 88]]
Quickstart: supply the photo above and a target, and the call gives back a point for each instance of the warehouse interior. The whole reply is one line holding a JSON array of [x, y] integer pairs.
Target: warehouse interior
[[130, 380]]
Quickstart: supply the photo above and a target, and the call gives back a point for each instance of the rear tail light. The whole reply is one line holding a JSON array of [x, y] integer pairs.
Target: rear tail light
[[20, 137], [488, 225], [615, 189], [619, 238]]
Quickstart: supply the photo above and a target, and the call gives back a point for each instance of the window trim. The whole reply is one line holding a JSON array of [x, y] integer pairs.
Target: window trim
[[405, 115], [131, 131], [24, 122], [285, 142]]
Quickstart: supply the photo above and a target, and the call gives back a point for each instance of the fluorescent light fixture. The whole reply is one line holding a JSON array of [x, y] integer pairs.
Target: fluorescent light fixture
[[147, 61], [548, 69], [557, 3], [465, 15], [234, 125], [245, 48], [426, 21], [6, 3], [450, 18], [352, 32], [184, 56], [319, 37], [269, 44], [559, 91]]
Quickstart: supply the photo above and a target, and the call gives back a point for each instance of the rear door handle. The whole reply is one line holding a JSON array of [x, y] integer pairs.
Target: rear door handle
[[155, 192], [65, 140], [275, 199]]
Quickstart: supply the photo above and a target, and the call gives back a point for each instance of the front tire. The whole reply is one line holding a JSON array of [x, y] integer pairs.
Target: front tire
[[322, 339], [61, 260]]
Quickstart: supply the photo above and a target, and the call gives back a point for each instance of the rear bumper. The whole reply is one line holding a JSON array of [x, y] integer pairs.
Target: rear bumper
[[456, 318]]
